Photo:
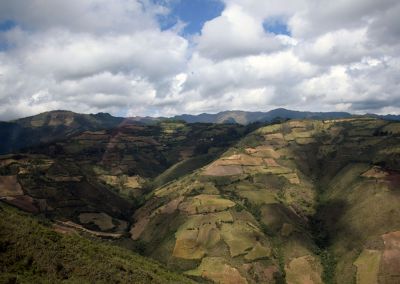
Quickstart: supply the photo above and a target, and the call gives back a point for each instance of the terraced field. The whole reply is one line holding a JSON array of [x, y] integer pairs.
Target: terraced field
[[306, 201], [107, 173], [301, 202]]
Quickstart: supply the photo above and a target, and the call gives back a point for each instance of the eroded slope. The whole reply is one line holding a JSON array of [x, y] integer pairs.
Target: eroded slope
[[285, 204]]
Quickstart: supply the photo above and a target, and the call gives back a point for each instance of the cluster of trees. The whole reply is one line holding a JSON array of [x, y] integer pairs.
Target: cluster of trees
[[382, 133]]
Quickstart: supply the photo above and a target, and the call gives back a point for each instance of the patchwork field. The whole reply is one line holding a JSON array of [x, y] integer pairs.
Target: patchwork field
[[303, 201], [273, 188]]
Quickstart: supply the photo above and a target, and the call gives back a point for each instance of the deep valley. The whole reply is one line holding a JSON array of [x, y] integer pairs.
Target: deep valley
[[94, 198]]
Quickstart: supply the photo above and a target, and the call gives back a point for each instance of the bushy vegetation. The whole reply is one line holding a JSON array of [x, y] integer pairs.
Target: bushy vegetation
[[31, 252], [328, 262]]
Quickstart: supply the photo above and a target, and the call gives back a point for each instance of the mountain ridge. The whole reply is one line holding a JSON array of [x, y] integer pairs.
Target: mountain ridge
[[60, 124], [246, 117]]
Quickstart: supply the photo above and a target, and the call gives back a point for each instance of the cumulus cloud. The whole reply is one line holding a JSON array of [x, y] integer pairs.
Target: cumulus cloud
[[87, 56], [236, 33], [338, 47], [319, 17], [99, 55], [67, 55], [93, 16]]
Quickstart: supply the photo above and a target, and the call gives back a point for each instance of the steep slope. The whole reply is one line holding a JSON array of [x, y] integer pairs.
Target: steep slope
[[242, 218], [61, 190], [360, 197], [96, 179], [301, 202], [31, 252], [145, 150]]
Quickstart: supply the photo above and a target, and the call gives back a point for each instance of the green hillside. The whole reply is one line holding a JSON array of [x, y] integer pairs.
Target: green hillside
[[32, 252]]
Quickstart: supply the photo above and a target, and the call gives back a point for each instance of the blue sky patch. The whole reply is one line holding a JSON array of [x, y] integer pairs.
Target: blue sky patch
[[4, 27], [276, 26], [193, 12], [7, 25]]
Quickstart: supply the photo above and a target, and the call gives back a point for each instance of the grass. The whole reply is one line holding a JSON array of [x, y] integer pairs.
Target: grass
[[368, 266], [31, 252], [240, 237], [217, 270], [303, 269]]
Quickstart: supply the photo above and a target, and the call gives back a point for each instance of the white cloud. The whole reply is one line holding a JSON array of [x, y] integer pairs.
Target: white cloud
[[236, 33], [338, 47], [99, 55], [85, 65], [319, 16], [93, 16], [270, 8]]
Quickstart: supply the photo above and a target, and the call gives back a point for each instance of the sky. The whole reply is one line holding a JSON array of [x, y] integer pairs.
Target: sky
[[168, 57]]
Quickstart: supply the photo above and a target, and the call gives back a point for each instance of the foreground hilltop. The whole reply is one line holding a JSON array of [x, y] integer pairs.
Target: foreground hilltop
[[33, 252]]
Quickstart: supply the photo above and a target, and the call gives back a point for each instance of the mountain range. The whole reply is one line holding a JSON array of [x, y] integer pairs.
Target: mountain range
[[54, 125], [236, 197]]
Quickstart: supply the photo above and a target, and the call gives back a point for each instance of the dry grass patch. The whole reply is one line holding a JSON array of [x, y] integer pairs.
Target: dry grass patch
[[205, 203], [375, 172], [199, 234], [298, 124], [139, 227], [293, 178], [218, 270], [305, 141], [9, 186], [303, 270], [269, 129], [368, 266], [168, 208], [390, 267], [263, 151], [274, 136], [271, 162], [187, 245], [258, 252], [240, 237], [258, 197], [221, 170], [260, 273]]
